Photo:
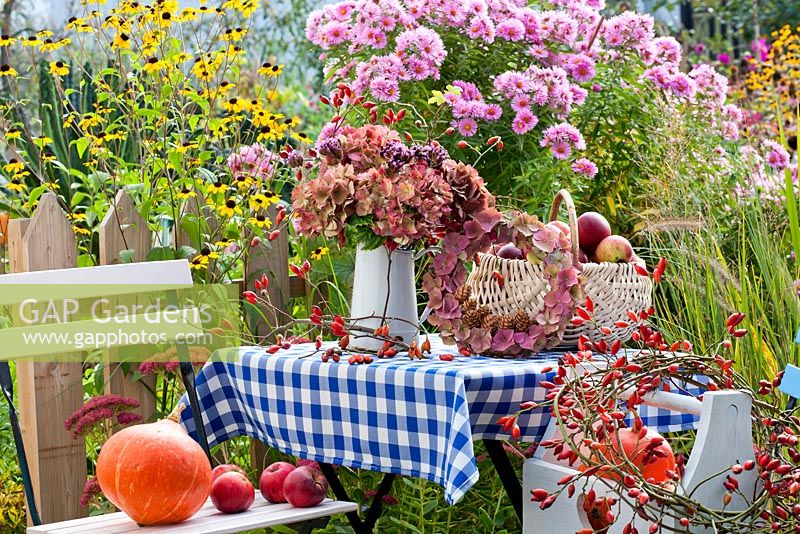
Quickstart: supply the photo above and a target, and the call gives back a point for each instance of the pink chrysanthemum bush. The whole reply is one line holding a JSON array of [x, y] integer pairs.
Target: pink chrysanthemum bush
[[560, 84]]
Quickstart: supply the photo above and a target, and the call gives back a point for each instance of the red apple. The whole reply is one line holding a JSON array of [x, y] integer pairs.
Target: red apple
[[272, 479], [614, 249], [304, 487], [510, 252], [232, 492], [225, 468], [564, 227], [592, 228], [582, 257]]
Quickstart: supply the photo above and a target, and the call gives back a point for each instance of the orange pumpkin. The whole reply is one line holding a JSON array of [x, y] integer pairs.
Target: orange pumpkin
[[155, 472], [627, 444]]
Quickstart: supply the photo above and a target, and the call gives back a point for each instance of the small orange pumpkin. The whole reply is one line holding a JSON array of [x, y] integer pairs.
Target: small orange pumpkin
[[638, 450], [155, 472]]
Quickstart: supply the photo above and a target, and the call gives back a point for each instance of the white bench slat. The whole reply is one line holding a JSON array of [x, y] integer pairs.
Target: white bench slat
[[171, 274], [207, 521]]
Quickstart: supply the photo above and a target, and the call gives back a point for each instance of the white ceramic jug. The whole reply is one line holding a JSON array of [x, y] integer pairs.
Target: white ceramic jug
[[374, 276]]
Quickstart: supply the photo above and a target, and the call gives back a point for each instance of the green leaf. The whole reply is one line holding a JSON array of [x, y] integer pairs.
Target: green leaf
[[161, 254], [82, 143], [126, 256], [85, 260]]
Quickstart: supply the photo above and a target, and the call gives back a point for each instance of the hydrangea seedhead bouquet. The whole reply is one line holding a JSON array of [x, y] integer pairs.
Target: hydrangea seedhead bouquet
[[372, 188]]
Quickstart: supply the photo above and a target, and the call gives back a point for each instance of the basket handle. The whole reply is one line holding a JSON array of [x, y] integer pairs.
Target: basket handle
[[564, 196]]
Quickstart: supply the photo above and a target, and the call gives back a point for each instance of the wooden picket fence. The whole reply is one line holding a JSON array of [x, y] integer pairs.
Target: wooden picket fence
[[50, 392]]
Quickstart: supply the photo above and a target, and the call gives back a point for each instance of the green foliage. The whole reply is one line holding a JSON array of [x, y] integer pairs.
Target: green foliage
[[715, 271]]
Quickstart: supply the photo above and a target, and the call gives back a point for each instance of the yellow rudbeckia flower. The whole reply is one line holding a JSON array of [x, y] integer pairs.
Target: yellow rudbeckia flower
[[59, 68]]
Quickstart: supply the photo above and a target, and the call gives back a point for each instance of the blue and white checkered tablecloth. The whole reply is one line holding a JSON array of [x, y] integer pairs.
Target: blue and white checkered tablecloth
[[416, 418]]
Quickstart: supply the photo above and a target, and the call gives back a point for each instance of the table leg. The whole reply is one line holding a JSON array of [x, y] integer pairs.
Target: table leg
[[506, 472], [366, 525]]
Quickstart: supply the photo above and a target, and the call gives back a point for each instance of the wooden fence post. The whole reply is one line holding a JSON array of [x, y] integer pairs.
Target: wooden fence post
[[274, 262], [123, 228], [49, 392]]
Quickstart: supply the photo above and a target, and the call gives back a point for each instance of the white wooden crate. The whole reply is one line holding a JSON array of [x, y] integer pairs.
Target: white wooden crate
[[207, 521]]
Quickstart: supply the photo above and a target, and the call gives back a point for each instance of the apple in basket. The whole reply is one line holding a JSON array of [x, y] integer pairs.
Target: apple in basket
[[510, 252], [305, 486], [272, 479], [232, 492], [592, 229], [564, 227], [614, 249]]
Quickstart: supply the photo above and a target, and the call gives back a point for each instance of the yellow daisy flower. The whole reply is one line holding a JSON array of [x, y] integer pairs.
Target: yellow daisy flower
[[51, 46], [224, 243], [202, 259], [154, 65], [16, 184], [243, 181], [6, 40], [7, 70], [31, 40], [59, 68], [234, 35], [185, 193], [121, 41], [13, 166], [229, 208], [217, 187], [302, 137], [12, 134], [270, 70], [261, 221], [319, 253]]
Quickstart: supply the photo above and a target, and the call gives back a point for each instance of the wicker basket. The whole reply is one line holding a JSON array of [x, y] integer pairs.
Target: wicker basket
[[524, 288], [614, 288]]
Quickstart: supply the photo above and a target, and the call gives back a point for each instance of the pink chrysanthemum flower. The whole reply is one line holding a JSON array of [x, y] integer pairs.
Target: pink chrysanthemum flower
[[467, 126], [524, 121], [585, 166], [777, 157]]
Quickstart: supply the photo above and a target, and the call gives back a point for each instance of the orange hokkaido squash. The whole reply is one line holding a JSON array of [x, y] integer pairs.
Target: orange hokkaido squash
[[650, 453], [155, 472]]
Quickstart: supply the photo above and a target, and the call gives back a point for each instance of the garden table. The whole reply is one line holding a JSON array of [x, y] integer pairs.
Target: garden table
[[397, 416]]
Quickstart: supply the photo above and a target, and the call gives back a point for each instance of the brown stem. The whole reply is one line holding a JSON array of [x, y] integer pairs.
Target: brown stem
[[175, 414]]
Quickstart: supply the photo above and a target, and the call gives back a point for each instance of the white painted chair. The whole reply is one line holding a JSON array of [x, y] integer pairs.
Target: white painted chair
[[724, 438], [114, 281]]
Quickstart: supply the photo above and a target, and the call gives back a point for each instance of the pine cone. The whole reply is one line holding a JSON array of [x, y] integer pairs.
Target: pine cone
[[463, 293], [506, 322], [490, 322], [522, 321], [469, 305], [484, 311], [471, 319]]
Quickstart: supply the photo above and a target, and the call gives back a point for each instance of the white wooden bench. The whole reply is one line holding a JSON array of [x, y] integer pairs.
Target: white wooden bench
[[207, 521], [115, 281]]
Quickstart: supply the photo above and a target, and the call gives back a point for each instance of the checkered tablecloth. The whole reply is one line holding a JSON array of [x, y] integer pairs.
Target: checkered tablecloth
[[417, 418]]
